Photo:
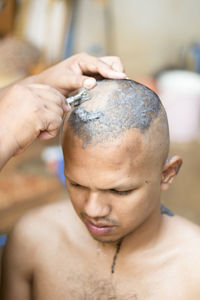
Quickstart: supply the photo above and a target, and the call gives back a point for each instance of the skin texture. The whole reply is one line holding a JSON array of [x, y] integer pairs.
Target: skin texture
[[34, 107], [55, 253]]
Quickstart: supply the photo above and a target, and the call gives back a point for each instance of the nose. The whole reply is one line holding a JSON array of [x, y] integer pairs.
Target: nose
[[96, 206]]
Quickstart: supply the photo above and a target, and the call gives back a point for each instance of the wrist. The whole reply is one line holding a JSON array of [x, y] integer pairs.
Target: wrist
[[35, 79], [7, 147]]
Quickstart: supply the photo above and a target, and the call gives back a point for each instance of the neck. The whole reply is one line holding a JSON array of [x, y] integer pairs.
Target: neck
[[147, 235]]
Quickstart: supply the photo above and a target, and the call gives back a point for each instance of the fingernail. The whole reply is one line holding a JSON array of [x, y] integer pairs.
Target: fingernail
[[69, 107], [89, 83], [121, 74]]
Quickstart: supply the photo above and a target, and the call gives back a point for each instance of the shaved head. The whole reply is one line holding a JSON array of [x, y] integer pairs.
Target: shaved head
[[117, 107], [115, 147]]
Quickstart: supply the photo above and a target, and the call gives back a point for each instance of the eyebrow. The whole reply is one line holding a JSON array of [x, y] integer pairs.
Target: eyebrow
[[119, 187]]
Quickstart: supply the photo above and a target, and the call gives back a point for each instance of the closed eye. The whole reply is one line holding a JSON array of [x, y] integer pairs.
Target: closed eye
[[121, 192], [75, 184]]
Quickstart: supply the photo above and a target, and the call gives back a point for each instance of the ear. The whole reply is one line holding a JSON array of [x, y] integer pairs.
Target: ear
[[170, 170]]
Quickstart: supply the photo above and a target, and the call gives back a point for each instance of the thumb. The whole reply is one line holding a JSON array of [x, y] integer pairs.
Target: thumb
[[89, 82], [45, 135], [78, 81]]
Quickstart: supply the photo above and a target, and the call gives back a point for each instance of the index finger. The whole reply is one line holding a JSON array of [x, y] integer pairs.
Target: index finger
[[97, 66], [114, 62]]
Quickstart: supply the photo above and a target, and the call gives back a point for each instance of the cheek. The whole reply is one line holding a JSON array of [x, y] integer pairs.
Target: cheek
[[77, 197], [138, 206]]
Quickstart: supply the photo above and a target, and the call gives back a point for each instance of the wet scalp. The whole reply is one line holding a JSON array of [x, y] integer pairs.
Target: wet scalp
[[116, 106]]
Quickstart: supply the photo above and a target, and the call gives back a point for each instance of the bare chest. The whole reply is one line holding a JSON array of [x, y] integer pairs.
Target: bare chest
[[85, 279]]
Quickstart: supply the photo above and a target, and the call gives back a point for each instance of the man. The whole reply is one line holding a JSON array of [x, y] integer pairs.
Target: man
[[34, 107], [111, 241]]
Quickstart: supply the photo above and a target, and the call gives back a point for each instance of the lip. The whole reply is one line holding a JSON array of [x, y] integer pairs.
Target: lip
[[99, 229]]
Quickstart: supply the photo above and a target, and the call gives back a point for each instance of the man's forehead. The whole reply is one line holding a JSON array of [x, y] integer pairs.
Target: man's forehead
[[107, 165], [126, 146]]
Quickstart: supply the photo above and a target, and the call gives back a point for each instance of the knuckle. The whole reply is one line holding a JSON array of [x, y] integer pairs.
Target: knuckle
[[40, 111], [83, 56], [18, 88], [59, 101], [94, 67], [56, 120]]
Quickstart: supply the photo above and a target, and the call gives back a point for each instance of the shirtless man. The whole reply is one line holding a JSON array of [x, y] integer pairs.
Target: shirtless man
[[111, 241]]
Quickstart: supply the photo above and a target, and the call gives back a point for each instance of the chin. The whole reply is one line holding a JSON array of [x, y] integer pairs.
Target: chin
[[107, 239], [111, 238]]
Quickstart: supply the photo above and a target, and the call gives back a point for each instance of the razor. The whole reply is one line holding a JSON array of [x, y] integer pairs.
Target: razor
[[81, 96]]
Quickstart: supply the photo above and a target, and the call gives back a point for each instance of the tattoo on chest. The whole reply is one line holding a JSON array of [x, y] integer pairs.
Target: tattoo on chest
[[115, 256]]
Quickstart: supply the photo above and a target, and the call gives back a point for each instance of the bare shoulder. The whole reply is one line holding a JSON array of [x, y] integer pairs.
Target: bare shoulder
[[184, 234], [39, 232], [184, 230], [185, 237], [34, 239], [38, 222], [34, 229]]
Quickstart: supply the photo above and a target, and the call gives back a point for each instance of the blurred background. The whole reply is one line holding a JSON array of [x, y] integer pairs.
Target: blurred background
[[159, 44]]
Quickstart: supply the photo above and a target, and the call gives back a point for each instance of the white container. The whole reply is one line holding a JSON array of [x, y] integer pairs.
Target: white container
[[180, 94]]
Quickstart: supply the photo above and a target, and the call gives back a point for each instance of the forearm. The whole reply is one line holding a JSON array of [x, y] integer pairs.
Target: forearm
[[28, 80]]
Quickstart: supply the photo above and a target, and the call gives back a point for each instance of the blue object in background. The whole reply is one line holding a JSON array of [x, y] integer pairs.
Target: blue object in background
[[196, 51], [3, 240], [60, 171]]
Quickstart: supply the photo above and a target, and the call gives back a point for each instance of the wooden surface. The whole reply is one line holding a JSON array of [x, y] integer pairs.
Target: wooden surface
[[7, 17]]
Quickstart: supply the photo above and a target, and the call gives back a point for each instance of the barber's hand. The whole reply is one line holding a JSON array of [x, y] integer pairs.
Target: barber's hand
[[28, 112], [81, 70]]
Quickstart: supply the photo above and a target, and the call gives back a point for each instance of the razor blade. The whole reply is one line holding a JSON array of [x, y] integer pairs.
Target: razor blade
[[81, 96]]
